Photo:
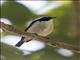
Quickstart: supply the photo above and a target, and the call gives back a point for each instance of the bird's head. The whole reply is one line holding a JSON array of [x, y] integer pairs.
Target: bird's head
[[45, 18]]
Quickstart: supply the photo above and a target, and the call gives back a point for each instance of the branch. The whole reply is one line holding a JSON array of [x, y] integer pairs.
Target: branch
[[51, 42]]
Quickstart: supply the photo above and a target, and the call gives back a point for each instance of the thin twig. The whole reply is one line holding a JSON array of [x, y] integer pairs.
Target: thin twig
[[48, 41]]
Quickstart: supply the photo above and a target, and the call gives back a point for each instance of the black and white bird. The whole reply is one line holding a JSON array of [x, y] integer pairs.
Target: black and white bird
[[41, 26]]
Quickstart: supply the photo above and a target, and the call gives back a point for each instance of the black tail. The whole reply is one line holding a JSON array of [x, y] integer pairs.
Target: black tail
[[20, 42]]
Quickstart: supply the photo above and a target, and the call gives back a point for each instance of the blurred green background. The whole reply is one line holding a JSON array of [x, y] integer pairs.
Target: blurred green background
[[67, 29]]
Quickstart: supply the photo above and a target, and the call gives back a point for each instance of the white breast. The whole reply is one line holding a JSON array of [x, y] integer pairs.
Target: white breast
[[42, 28]]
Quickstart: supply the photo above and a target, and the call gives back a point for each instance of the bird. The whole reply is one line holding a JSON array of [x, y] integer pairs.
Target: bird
[[42, 26]]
